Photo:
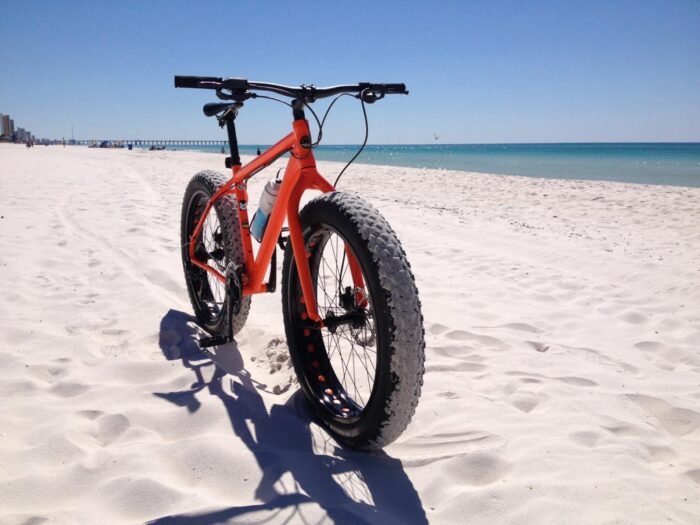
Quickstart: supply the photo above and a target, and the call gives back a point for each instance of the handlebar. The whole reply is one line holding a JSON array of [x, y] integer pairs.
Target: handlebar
[[193, 82], [242, 88]]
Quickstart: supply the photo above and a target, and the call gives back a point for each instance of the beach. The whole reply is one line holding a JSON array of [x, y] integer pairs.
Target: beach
[[562, 384]]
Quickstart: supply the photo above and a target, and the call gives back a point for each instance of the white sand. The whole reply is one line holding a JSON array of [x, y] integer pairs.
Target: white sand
[[563, 356]]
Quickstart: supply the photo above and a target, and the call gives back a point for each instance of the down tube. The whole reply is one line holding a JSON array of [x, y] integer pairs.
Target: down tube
[[273, 229]]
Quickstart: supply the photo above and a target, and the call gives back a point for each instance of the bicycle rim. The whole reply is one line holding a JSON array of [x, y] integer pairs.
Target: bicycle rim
[[340, 365]]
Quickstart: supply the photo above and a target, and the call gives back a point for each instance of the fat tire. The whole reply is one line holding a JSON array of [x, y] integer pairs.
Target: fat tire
[[207, 183], [397, 315]]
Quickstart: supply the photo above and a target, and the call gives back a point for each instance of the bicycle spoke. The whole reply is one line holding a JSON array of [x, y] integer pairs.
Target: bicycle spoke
[[345, 345], [211, 246], [342, 264]]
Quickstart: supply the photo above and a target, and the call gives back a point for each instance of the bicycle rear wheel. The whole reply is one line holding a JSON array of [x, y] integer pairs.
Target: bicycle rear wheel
[[218, 244], [362, 377]]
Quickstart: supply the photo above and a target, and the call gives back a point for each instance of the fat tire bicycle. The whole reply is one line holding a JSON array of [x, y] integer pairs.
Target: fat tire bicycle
[[351, 310]]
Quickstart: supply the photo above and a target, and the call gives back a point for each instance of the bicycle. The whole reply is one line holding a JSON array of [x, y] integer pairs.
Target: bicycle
[[349, 299]]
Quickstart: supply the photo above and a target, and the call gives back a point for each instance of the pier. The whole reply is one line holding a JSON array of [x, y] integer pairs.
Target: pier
[[152, 142]]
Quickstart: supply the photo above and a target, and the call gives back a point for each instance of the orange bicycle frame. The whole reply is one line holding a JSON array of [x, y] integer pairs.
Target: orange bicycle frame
[[301, 175]]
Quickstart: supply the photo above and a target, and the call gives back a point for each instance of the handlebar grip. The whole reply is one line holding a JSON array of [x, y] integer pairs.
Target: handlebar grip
[[395, 89], [193, 82], [386, 89]]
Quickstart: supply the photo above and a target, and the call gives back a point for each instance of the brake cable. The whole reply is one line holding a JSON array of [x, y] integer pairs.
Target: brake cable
[[323, 120], [364, 142], [255, 95]]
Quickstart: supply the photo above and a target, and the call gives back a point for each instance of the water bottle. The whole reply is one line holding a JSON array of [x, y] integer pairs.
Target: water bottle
[[267, 200]]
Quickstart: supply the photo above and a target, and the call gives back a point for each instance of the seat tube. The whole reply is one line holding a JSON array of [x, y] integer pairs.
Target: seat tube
[[241, 192]]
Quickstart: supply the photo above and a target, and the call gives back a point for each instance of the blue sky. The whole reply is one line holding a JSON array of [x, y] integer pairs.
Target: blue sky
[[478, 72]]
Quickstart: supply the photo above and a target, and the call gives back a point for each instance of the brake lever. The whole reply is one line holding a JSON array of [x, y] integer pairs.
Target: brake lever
[[238, 96], [370, 97]]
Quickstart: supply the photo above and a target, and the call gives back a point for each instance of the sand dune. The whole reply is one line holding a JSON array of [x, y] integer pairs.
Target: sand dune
[[563, 356]]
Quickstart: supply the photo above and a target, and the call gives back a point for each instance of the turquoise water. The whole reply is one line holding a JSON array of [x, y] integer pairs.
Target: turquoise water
[[676, 164]]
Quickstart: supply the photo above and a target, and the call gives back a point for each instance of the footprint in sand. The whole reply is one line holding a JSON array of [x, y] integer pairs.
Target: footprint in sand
[[90, 414], [463, 366], [672, 355], [448, 394], [520, 394], [634, 318], [17, 389], [523, 377], [694, 474], [425, 449], [624, 429], [585, 438], [110, 427], [437, 328], [454, 351], [661, 454], [158, 278], [576, 381], [66, 389], [674, 420], [539, 347], [476, 469], [11, 297], [519, 327], [47, 374], [463, 335], [526, 401], [649, 346], [115, 331], [57, 451], [145, 497], [543, 298]]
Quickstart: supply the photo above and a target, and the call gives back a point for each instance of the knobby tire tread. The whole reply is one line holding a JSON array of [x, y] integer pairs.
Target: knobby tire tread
[[406, 342], [227, 211]]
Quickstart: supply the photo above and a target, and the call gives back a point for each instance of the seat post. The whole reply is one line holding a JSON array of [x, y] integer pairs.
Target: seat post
[[235, 158]]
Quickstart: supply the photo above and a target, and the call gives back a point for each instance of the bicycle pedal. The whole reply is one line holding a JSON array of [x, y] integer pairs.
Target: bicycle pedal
[[216, 340]]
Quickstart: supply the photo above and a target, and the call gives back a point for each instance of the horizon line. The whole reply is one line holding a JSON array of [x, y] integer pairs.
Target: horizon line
[[255, 144]]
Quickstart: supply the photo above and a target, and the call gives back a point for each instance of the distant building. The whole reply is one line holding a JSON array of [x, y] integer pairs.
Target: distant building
[[8, 131], [5, 131]]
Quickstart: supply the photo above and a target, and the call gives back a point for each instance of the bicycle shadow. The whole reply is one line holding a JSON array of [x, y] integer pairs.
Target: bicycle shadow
[[351, 487]]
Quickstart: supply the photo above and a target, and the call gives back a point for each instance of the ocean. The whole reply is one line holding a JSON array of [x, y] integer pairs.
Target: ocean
[[675, 164]]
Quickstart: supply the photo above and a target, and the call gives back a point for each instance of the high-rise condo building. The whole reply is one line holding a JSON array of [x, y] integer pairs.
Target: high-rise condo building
[[5, 131]]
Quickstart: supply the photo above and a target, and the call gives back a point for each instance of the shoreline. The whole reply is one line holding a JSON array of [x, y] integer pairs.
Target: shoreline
[[643, 164]]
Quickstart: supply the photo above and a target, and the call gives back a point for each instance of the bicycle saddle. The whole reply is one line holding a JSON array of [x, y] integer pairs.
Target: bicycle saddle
[[214, 108]]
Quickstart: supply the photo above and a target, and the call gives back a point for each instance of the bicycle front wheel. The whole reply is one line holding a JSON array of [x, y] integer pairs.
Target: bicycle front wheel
[[362, 374]]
